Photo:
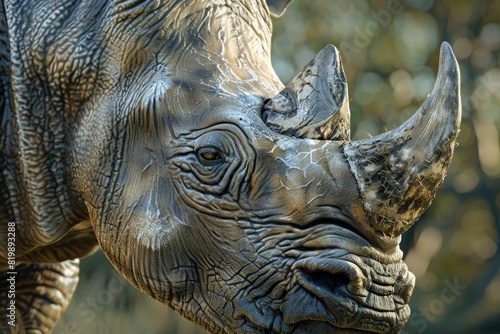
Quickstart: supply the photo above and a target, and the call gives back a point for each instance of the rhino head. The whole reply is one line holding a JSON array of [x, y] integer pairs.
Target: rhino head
[[238, 202]]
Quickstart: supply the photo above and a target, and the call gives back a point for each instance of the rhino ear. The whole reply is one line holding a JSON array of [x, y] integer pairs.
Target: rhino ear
[[277, 7]]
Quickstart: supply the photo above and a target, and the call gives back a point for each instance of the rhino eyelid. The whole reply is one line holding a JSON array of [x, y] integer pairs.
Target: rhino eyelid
[[210, 156]]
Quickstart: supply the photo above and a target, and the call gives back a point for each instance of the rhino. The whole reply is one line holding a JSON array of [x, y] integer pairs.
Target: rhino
[[159, 132]]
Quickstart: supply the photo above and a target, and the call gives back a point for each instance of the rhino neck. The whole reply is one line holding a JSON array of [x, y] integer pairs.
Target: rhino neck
[[35, 129]]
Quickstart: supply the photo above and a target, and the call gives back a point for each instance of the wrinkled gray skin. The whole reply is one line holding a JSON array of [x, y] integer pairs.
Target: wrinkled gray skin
[[159, 132]]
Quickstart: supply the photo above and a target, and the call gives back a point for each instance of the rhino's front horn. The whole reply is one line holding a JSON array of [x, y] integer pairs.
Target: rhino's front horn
[[315, 103], [399, 172]]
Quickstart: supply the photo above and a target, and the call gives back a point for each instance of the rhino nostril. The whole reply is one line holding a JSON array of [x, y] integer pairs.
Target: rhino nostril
[[323, 280], [327, 277], [330, 288]]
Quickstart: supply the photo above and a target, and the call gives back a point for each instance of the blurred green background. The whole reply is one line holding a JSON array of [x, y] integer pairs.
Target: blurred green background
[[390, 54]]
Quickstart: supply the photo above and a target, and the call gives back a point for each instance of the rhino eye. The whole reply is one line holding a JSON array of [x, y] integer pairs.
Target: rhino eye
[[210, 156]]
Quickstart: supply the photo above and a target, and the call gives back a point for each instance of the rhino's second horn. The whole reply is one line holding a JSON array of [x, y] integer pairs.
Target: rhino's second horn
[[315, 104]]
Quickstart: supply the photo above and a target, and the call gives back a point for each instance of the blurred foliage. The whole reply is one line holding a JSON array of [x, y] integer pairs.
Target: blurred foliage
[[390, 54]]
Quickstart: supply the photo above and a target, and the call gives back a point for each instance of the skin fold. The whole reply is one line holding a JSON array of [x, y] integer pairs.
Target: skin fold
[[159, 132]]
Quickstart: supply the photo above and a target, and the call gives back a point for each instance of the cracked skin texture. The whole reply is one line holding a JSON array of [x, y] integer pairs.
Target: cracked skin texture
[[159, 132]]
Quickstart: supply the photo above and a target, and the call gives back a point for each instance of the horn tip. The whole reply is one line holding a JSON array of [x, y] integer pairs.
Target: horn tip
[[329, 55], [446, 47], [448, 62], [449, 76]]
